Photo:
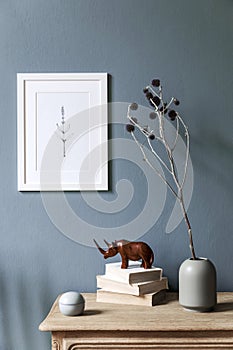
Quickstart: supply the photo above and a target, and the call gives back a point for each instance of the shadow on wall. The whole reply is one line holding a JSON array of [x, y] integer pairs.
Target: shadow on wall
[[5, 329], [22, 311], [218, 151]]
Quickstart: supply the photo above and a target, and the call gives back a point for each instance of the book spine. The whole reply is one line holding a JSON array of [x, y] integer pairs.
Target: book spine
[[145, 300], [119, 287], [130, 278], [152, 287], [134, 289]]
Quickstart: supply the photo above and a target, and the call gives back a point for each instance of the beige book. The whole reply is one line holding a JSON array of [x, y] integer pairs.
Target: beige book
[[133, 274], [150, 299], [135, 288]]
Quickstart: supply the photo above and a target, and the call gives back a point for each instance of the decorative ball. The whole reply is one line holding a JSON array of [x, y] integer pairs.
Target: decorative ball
[[152, 137], [71, 304]]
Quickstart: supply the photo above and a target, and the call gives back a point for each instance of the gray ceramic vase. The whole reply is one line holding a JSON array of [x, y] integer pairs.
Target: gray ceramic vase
[[197, 285]]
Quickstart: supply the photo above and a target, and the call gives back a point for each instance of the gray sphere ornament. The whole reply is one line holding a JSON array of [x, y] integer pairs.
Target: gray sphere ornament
[[71, 303]]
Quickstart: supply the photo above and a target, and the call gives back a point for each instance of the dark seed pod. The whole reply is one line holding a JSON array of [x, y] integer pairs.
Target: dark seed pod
[[163, 108], [176, 102], [172, 114], [152, 115], [133, 106], [130, 127], [152, 104], [149, 95], [156, 100], [152, 137], [172, 118], [145, 90], [155, 82]]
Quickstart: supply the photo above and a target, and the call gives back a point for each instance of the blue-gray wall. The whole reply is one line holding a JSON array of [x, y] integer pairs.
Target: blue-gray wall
[[189, 45]]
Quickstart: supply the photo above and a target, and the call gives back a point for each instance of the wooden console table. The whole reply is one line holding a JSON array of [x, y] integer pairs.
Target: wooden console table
[[117, 327]]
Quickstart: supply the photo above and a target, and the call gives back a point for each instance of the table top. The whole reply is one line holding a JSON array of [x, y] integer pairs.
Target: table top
[[167, 317]]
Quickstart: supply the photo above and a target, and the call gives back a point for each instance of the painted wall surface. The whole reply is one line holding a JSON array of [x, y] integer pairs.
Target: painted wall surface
[[189, 46]]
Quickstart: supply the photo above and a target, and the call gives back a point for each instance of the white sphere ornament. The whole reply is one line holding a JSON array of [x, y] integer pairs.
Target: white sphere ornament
[[71, 304]]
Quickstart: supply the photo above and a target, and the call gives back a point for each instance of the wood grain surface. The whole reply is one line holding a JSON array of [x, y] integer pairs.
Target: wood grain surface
[[167, 317]]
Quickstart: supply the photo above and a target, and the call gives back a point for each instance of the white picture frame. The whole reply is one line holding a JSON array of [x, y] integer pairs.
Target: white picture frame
[[62, 132]]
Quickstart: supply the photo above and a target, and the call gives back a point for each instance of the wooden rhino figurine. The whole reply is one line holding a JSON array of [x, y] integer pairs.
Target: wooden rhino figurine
[[129, 251]]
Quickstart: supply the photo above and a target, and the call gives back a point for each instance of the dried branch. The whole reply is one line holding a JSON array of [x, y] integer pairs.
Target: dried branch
[[160, 110], [151, 166]]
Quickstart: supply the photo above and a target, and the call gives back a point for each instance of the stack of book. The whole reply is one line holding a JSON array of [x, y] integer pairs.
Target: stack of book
[[134, 285]]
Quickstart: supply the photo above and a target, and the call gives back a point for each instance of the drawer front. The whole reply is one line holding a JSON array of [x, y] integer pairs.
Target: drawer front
[[145, 344]]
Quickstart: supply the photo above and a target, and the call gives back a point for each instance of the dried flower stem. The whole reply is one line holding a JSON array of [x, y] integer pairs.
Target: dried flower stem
[[171, 169], [152, 167]]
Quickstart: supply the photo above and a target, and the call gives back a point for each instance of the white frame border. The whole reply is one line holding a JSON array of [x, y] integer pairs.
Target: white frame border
[[22, 78]]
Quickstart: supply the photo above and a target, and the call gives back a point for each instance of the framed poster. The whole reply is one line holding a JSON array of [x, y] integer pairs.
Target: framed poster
[[62, 132]]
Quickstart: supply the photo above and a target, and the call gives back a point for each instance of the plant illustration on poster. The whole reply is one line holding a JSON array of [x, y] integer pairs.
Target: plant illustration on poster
[[63, 129], [66, 112]]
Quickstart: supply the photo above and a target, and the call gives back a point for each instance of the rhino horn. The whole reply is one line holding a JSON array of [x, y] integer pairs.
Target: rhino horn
[[99, 248], [106, 242]]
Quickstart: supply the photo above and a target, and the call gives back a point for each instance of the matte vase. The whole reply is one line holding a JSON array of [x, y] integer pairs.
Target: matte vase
[[197, 285]]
